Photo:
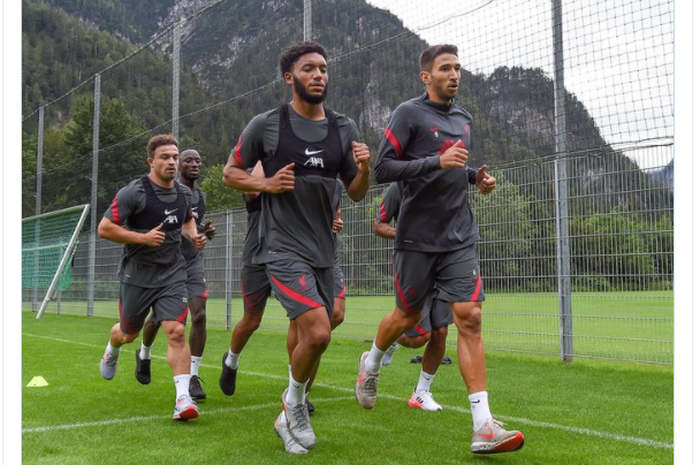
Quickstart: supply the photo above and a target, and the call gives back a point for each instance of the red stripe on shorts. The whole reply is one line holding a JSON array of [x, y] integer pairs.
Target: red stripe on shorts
[[289, 292], [477, 291], [406, 307]]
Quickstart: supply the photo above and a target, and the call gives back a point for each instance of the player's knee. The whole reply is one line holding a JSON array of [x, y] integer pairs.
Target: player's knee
[[468, 317], [439, 334], [199, 319], [175, 333], [337, 317]]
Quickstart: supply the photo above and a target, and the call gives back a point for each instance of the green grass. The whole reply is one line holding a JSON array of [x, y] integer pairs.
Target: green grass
[[586, 412], [636, 326]]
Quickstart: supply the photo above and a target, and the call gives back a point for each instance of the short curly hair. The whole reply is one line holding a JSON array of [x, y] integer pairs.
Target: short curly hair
[[292, 54]]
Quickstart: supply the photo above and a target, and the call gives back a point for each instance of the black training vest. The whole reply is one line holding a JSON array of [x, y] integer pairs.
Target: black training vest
[[172, 214], [308, 157]]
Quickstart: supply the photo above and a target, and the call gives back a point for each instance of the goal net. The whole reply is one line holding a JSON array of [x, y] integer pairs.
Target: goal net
[[49, 241]]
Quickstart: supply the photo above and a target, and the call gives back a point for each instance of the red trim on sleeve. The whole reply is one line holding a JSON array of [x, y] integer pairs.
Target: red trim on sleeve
[[115, 211], [237, 152], [394, 141], [382, 212]]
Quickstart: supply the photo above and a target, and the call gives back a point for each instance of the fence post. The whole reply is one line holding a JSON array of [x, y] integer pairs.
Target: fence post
[[93, 198], [562, 195], [228, 274], [176, 79], [308, 33], [37, 203]]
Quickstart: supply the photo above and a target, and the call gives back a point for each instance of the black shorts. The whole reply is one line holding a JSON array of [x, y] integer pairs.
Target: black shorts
[[300, 287], [168, 303], [454, 274]]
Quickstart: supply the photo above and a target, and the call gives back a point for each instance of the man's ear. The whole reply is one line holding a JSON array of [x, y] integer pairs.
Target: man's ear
[[288, 78], [425, 77]]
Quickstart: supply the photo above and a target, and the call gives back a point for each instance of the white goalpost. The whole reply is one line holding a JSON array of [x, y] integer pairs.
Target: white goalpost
[[49, 241]]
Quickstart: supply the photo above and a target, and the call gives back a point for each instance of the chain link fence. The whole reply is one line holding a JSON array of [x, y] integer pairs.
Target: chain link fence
[[593, 279]]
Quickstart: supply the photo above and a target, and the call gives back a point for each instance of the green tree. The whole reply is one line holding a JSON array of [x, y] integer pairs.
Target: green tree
[[219, 196], [122, 151]]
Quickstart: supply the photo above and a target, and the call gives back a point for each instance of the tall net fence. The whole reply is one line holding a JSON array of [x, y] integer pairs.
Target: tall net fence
[[617, 71]]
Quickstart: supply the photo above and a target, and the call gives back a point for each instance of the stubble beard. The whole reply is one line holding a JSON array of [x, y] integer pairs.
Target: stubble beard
[[306, 96]]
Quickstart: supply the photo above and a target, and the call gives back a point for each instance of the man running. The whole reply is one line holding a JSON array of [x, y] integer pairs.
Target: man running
[[149, 216], [426, 146], [303, 147], [190, 164]]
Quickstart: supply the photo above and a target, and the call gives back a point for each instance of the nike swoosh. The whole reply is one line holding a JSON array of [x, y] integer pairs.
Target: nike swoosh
[[486, 436], [476, 401], [308, 152], [167, 212]]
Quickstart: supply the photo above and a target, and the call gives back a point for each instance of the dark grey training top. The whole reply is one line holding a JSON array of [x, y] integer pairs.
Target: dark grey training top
[[435, 215], [142, 265], [391, 203], [297, 225]]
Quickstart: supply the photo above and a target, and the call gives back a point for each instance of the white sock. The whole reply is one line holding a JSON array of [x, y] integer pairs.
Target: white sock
[[424, 381], [232, 360], [182, 385], [112, 350], [145, 353], [481, 413], [373, 362], [194, 365], [295, 392]]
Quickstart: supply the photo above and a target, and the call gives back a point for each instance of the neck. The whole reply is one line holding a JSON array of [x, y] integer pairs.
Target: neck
[[185, 181], [161, 182], [433, 97], [310, 111]]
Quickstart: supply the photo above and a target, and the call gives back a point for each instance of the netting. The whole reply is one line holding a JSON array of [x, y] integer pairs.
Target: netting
[[47, 240]]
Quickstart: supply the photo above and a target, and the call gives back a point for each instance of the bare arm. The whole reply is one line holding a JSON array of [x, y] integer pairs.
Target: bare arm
[[360, 184], [189, 232], [113, 232], [238, 177], [384, 230]]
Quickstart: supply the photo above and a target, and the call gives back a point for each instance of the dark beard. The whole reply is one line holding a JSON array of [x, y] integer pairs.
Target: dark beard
[[305, 96]]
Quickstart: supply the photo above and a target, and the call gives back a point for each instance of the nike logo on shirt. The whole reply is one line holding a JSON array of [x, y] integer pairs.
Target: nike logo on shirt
[[308, 152], [167, 212]]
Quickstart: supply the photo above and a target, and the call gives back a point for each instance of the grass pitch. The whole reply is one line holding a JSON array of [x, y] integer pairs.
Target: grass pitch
[[585, 412]]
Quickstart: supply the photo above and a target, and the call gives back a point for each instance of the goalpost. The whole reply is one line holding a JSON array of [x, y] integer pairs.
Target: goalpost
[[49, 241]]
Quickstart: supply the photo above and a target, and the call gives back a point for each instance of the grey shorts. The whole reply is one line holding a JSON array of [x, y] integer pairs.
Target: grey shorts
[[196, 284], [436, 314], [338, 282], [169, 304], [255, 287], [300, 287], [454, 274]]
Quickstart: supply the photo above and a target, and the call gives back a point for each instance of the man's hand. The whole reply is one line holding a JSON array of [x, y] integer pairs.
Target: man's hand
[[454, 157], [199, 241], [337, 223], [484, 181], [282, 181], [209, 230], [154, 237], [362, 156]]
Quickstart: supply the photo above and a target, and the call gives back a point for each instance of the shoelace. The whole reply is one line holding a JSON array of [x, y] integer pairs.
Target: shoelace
[[299, 415], [111, 360], [370, 382]]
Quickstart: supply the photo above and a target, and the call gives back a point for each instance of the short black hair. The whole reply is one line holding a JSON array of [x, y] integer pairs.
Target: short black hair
[[427, 57], [292, 54]]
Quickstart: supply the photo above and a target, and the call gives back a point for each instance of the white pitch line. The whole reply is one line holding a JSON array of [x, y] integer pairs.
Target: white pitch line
[[118, 421], [526, 421]]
